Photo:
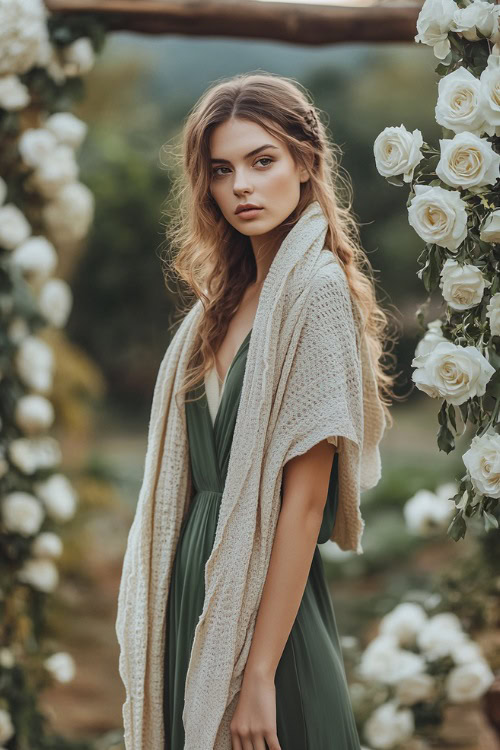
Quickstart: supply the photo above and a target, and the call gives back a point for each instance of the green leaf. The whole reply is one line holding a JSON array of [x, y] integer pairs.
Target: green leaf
[[442, 68], [445, 440], [442, 418], [451, 416], [457, 527], [395, 180], [464, 410], [490, 521]]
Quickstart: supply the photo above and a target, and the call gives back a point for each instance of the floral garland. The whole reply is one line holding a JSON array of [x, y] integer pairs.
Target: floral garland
[[43, 206], [454, 206]]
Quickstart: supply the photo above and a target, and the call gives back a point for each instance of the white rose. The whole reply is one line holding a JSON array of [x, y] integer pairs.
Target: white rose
[[14, 228], [418, 687], [441, 636], [23, 32], [48, 451], [34, 413], [18, 330], [44, 53], [35, 363], [425, 513], [490, 229], [490, 91], [493, 314], [467, 161], [6, 726], [433, 336], [36, 258], [479, 15], [397, 152], [438, 215], [58, 496], [375, 656], [468, 682], [403, 622], [78, 57], [3, 191], [7, 659], [22, 513], [389, 726], [433, 24], [459, 102], [13, 94], [55, 301], [40, 573], [468, 652], [463, 286], [61, 665], [47, 544], [35, 145], [31, 454], [22, 455], [56, 170], [482, 461], [455, 373], [70, 214], [384, 661], [67, 128]]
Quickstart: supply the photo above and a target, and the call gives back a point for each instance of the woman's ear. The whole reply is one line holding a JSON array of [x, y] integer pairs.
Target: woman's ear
[[304, 174]]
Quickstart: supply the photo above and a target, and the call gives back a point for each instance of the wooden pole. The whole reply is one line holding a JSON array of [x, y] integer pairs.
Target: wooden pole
[[249, 19]]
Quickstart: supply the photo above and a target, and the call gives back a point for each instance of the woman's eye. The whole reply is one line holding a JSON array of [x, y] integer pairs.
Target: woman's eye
[[216, 173]]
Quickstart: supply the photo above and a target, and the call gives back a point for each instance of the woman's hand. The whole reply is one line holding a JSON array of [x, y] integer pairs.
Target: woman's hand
[[254, 720]]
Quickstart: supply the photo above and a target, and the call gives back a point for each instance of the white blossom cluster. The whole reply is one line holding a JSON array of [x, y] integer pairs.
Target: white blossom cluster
[[47, 160], [467, 168], [403, 658], [440, 17], [25, 44]]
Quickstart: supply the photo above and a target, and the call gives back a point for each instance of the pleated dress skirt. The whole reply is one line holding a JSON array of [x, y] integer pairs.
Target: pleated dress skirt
[[313, 708]]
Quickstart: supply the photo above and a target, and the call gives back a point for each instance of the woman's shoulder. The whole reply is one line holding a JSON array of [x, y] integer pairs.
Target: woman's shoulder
[[330, 277]]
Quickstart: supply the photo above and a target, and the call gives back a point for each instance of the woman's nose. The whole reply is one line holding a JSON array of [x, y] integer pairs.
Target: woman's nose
[[241, 182]]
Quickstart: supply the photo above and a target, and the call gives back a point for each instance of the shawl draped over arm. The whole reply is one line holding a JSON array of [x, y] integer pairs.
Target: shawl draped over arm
[[308, 376]]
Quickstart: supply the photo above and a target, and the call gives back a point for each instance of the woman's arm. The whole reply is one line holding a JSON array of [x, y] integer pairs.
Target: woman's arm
[[305, 487]]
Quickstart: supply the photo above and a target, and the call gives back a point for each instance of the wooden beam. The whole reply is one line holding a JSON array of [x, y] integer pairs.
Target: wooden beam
[[249, 19]]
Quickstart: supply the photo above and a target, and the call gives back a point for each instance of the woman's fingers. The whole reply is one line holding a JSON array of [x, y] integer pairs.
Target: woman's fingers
[[272, 742]]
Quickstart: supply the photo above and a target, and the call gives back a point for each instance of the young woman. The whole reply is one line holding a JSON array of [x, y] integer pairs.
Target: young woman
[[272, 256]]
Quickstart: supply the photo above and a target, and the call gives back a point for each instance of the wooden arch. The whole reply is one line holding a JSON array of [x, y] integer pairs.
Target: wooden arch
[[298, 23]]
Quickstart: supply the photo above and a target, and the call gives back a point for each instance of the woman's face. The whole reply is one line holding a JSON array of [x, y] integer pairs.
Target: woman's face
[[268, 178]]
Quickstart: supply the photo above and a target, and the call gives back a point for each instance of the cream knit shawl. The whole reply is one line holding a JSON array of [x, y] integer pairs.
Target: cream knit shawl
[[307, 378]]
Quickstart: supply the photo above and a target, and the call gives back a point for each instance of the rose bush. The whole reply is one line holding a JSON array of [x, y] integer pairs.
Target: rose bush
[[454, 206]]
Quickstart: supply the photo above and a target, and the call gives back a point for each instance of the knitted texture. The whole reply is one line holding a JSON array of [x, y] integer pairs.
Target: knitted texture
[[308, 377]]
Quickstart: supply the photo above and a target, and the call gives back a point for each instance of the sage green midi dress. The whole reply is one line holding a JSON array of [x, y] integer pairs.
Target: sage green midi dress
[[313, 709]]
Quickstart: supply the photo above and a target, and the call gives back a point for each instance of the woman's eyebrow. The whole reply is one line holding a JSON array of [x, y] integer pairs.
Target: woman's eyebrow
[[251, 153]]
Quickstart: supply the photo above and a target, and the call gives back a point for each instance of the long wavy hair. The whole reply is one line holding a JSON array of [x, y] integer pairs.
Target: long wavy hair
[[215, 261]]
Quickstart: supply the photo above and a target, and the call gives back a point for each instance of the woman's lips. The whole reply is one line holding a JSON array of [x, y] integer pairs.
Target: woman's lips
[[249, 213]]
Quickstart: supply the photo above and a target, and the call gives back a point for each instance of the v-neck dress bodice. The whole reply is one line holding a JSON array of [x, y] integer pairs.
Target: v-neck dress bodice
[[313, 710]]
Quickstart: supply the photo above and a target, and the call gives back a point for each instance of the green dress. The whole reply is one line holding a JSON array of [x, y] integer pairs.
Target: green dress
[[313, 709]]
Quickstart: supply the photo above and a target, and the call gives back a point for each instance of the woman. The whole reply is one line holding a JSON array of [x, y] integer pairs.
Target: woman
[[251, 653]]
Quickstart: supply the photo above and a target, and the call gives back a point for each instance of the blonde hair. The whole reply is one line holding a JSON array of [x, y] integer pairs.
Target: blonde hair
[[215, 260]]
